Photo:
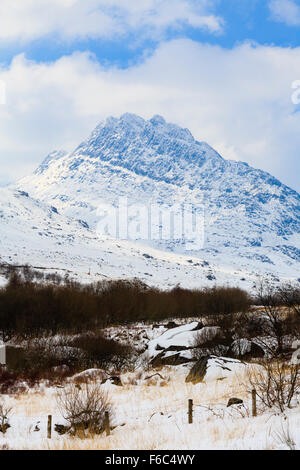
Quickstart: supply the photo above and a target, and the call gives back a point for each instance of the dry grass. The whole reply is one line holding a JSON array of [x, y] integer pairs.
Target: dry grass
[[155, 417]]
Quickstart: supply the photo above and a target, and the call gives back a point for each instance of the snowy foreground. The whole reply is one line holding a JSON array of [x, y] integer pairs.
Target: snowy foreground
[[150, 410], [152, 414]]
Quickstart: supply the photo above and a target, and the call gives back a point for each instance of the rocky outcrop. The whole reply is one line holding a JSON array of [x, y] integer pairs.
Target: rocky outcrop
[[165, 359], [245, 349], [209, 368], [198, 371], [234, 401]]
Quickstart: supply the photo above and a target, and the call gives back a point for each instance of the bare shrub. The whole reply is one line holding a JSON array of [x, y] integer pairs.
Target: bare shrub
[[55, 359], [83, 407], [31, 307], [46, 359], [215, 339], [225, 300], [274, 323], [104, 352], [290, 297], [11, 382], [276, 383], [5, 412]]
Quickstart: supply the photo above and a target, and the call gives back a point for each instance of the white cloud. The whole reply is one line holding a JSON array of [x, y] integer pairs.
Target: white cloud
[[285, 11], [237, 100], [72, 19]]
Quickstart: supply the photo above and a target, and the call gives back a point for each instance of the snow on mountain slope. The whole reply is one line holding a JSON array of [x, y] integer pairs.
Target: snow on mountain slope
[[35, 233], [252, 221]]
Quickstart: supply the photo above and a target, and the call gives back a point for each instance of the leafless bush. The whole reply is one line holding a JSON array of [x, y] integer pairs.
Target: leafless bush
[[11, 382], [104, 352], [83, 407], [211, 340], [30, 306], [5, 412], [275, 322], [290, 296], [276, 383]]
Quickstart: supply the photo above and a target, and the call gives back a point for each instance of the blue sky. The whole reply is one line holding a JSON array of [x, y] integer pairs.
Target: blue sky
[[242, 20], [223, 68]]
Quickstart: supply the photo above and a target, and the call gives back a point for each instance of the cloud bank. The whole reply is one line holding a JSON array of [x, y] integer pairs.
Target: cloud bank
[[238, 100], [27, 20]]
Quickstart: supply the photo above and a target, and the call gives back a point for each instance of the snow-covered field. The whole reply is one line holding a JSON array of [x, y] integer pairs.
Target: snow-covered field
[[152, 414], [150, 409]]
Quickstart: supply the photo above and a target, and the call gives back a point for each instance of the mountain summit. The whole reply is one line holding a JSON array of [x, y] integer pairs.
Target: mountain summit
[[252, 220]]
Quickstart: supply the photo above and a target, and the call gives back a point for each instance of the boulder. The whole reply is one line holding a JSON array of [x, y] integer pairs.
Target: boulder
[[61, 429], [178, 339], [199, 326], [198, 371], [243, 348], [171, 324], [234, 401], [210, 368], [175, 346], [167, 359]]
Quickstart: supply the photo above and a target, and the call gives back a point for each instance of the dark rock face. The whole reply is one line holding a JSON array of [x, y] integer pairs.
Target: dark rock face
[[221, 367], [177, 348], [115, 380], [234, 401], [199, 326], [170, 325], [198, 371], [173, 360]]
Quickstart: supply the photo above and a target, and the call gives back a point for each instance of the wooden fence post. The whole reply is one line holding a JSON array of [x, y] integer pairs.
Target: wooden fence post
[[49, 427], [190, 411], [254, 409], [106, 423]]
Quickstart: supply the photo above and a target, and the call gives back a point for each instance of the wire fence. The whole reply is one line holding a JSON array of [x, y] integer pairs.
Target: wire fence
[[183, 413], [217, 409]]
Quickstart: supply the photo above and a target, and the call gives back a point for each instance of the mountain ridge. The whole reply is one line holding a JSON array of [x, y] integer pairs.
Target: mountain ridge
[[251, 217]]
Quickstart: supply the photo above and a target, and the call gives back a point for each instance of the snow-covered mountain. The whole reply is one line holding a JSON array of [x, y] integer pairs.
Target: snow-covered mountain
[[32, 232], [252, 221]]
